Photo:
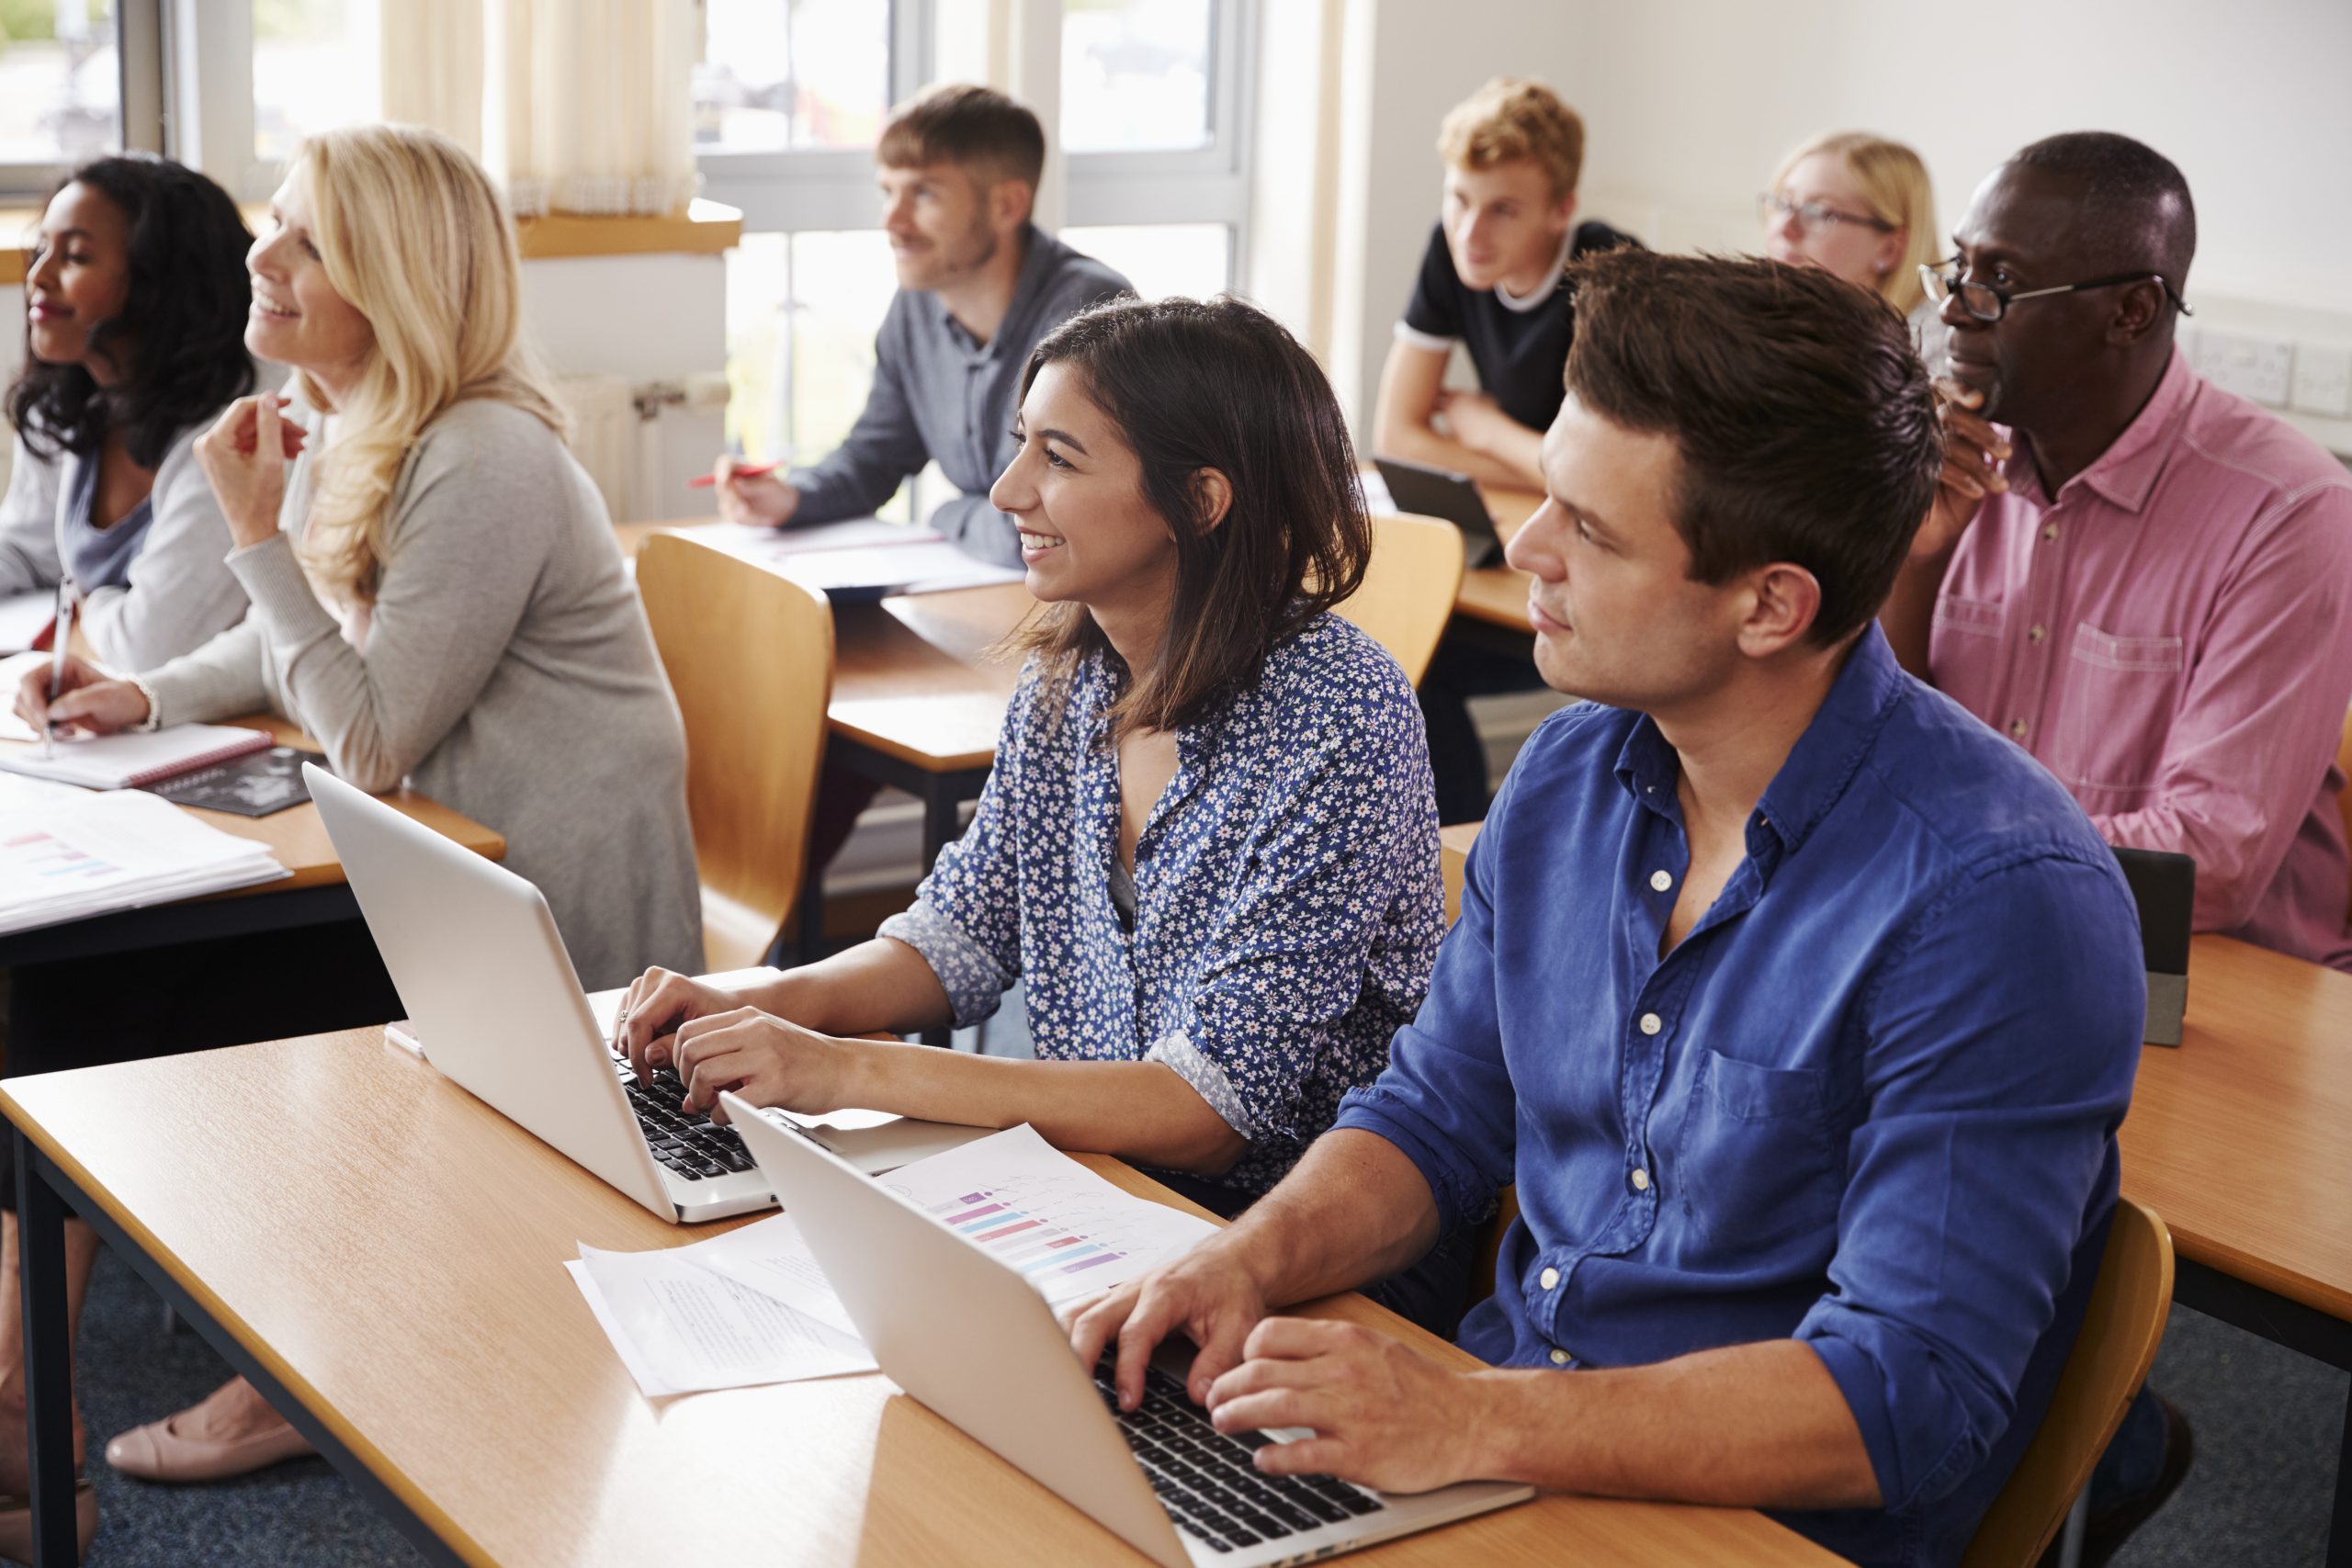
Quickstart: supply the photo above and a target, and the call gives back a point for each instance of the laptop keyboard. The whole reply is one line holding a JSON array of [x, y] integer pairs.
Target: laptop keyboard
[[1204, 1478], [692, 1147]]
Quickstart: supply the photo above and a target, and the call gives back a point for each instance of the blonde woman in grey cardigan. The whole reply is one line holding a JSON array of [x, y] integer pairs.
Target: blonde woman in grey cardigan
[[436, 593], [134, 320]]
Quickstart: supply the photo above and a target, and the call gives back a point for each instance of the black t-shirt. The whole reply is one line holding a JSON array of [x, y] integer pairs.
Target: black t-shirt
[[1522, 351]]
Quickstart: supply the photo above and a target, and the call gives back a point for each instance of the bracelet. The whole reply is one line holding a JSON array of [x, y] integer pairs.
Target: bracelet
[[155, 715]]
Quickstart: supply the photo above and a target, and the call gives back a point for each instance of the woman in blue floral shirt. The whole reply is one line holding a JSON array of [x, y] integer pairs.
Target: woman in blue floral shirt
[[1209, 844]]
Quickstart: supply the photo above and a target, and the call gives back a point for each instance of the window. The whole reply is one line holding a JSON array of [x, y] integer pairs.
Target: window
[[1135, 76], [314, 69], [61, 92], [790, 95]]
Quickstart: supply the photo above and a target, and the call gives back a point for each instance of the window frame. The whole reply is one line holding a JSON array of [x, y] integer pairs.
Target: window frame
[[139, 87]]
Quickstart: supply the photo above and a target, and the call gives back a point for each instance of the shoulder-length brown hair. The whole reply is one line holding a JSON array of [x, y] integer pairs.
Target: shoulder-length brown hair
[[1215, 384]]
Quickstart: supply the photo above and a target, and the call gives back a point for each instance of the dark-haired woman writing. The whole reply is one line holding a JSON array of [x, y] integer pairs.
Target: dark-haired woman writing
[[135, 304], [1209, 842]]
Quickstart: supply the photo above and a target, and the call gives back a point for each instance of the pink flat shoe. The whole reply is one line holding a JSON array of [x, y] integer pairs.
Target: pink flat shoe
[[16, 1523], [159, 1452]]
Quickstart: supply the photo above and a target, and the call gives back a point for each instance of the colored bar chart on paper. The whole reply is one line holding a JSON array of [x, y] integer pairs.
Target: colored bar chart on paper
[[1042, 1215]]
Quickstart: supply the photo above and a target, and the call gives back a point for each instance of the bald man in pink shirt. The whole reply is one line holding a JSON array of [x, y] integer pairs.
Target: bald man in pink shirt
[[2144, 581]]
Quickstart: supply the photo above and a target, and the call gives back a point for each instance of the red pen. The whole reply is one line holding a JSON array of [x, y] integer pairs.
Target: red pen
[[742, 471]]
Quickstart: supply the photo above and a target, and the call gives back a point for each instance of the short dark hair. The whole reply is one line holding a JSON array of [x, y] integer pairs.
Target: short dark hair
[[2135, 209], [1799, 409], [1215, 384], [977, 129], [183, 316]]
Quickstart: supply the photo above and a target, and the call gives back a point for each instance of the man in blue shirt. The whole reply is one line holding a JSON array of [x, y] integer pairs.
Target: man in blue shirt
[[1801, 1006]]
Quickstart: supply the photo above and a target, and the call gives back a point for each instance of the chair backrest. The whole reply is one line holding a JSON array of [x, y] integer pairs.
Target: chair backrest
[[751, 657], [2110, 1361], [2344, 796], [1408, 587]]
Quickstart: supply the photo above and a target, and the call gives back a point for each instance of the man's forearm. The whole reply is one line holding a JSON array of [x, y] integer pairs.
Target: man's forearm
[[1758, 1426], [1353, 1209]]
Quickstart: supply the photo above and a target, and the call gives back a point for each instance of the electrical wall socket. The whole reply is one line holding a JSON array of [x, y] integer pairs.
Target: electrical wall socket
[[2251, 366], [2323, 379]]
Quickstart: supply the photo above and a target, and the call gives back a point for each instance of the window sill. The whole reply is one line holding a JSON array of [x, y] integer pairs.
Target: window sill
[[705, 228]]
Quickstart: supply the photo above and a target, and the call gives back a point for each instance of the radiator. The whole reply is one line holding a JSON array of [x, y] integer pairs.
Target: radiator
[[606, 434]]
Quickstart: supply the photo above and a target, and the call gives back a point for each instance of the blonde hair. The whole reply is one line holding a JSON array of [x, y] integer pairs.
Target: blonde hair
[[417, 238], [1512, 118], [1895, 186]]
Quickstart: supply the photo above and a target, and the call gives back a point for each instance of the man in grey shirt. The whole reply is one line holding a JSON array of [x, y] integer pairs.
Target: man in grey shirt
[[978, 285]]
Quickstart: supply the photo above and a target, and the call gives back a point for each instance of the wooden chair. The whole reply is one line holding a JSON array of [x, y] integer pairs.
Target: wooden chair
[[1408, 587], [751, 657], [2344, 798], [2110, 1361]]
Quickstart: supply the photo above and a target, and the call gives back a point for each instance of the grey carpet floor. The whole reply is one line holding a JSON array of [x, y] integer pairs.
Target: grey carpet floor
[[2267, 1424]]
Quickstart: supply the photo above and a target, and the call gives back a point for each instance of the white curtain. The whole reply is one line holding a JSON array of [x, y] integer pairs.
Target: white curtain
[[589, 104], [578, 105]]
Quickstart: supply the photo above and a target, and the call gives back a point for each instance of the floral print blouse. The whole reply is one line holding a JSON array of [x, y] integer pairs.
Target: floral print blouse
[[1288, 898]]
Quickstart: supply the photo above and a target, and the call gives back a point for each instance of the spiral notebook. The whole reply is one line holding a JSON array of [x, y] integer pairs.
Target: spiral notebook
[[131, 760]]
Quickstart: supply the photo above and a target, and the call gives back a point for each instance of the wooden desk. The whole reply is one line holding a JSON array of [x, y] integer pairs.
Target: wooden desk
[[315, 894], [2241, 1137], [1497, 595], [382, 1254]]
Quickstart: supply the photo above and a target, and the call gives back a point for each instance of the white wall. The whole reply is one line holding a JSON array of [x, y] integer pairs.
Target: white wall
[[1688, 105]]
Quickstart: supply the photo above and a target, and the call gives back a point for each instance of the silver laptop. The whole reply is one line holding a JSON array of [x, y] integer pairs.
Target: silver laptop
[[1160, 1478], [496, 1006]]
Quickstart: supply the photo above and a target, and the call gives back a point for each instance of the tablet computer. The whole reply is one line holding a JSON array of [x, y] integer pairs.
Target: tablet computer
[[1426, 491]]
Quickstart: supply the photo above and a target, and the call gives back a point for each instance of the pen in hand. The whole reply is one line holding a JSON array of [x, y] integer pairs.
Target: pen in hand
[[60, 636], [745, 471]]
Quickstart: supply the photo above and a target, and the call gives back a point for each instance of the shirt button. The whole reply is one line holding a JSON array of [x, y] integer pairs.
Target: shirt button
[[2050, 533], [1549, 1279], [1652, 1023], [1661, 880], [2017, 730], [1641, 1180], [2036, 634], [1559, 1357]]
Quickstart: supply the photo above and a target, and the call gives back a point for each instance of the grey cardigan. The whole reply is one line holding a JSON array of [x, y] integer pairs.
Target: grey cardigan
[[506, 670], [181, 594]]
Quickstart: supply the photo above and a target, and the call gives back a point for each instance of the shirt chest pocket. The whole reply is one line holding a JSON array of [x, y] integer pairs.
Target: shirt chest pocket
[[1755, 1161], [2115, 705]]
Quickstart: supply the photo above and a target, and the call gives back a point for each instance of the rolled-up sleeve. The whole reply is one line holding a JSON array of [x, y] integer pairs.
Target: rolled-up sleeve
[[2004, 1036], [1344, 851], [1446, 1100], [966, 923]]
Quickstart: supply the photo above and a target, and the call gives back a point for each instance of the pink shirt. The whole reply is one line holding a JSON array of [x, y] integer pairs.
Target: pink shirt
[[2172, 637]]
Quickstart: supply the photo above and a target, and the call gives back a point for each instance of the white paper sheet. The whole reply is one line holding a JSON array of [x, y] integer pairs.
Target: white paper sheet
[[1070, 1232], [681, 1328], [771, 1258]]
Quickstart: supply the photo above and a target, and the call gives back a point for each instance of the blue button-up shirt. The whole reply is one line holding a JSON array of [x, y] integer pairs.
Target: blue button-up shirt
[[1870, 1101], [1288, 902]]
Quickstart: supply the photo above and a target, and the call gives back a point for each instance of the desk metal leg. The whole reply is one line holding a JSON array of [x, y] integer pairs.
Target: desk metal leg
[[43, 1194], [941, 795], [49, 1360], [2339, 1527]]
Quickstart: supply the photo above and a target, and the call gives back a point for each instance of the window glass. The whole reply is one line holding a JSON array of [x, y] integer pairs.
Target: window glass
[[60, 87], [314, 69], [776, 77], [1161, 259], [1135, 76], [802, 310]]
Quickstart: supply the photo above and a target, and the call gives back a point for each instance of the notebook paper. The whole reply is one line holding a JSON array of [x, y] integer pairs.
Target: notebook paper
[[128, 760]]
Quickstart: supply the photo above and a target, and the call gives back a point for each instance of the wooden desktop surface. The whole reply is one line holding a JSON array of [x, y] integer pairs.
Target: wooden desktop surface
[[392, 1251], [2236, 1136], [299, 839], [1498, 594]]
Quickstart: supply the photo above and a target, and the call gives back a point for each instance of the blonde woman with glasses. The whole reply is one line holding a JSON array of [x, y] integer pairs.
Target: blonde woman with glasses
[[436, 593], [1860, 206]]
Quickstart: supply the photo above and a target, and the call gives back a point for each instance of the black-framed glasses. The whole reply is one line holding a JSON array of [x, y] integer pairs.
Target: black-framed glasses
[[1814, 216], [1988, 304]]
